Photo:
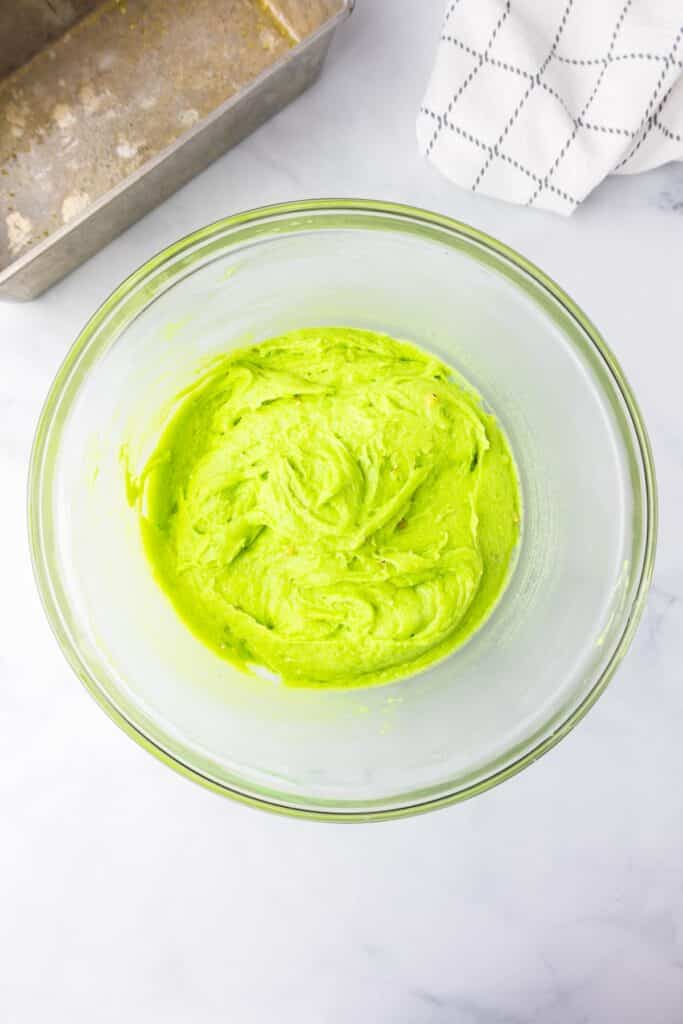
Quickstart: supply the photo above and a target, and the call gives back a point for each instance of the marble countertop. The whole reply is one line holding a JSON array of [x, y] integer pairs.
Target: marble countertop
[[128, 893]]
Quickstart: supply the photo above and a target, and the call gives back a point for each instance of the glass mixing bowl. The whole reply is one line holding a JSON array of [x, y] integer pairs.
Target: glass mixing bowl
[[589, 523]]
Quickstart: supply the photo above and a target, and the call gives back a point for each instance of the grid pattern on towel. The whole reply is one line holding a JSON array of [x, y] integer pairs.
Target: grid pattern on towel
[[536, 103]]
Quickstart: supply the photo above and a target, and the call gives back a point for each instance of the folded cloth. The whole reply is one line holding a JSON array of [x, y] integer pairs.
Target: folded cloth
[[536, 101]]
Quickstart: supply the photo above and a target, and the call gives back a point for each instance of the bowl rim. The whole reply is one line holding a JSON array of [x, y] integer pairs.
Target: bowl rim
[[40, 561]]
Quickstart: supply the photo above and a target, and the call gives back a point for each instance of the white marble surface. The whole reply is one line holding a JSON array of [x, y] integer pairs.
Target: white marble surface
[[127, 893]]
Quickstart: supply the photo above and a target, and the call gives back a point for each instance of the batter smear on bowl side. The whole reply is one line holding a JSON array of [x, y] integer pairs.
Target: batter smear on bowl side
[[332, 505]]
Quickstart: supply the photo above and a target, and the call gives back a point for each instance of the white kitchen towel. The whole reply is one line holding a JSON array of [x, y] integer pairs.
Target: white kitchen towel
[[536, 101]]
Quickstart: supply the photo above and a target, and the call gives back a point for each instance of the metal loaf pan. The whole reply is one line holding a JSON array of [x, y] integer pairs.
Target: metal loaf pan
[[106, 108]]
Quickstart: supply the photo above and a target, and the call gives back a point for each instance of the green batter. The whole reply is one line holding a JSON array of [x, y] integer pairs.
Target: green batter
[[332, 505]]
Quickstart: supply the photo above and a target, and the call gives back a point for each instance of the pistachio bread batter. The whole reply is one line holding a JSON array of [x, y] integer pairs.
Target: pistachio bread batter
[[333, 505]]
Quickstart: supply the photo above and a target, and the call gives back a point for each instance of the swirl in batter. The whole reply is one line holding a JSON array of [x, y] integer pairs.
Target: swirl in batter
[[333, 505]]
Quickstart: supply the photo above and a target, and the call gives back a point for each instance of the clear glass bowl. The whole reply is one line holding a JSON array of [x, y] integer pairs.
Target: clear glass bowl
[[585, 558]]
